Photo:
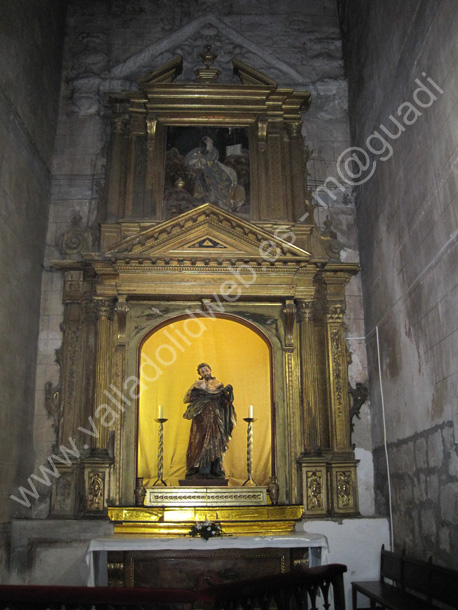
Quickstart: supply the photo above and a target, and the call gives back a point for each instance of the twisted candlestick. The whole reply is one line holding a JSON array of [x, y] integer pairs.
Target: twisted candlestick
[[249, 451], [160, 452]]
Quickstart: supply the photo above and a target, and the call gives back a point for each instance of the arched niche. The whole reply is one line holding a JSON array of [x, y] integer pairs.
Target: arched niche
[[240, 355]]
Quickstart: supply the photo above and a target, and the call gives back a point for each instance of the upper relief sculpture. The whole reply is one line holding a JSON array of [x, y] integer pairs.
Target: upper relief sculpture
[[203, 175]]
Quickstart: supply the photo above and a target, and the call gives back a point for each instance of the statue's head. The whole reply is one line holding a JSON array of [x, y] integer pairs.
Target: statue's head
[[204, 365]]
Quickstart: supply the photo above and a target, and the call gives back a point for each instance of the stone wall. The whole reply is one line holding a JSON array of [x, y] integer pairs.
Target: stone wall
[[31, 50], [424, 475], [401, 62]]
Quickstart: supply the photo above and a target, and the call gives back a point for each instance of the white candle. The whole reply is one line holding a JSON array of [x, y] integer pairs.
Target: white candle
[[250, 411], [160, 412]]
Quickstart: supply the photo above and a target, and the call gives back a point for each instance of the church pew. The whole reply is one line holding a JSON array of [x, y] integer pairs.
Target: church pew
[[306, 589]]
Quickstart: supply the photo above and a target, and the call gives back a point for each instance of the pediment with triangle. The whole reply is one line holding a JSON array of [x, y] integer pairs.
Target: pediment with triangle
[[208, 232], [191, 37]]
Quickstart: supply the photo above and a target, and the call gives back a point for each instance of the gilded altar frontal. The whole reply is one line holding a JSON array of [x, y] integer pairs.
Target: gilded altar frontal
[[207, 331]]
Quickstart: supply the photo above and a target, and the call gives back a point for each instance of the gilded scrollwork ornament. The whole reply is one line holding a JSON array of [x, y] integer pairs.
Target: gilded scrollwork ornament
[[336, 352], [95, 491], [314, 491], [344, 489]]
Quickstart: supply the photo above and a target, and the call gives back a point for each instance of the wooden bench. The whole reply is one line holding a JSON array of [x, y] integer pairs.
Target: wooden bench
[[305, 589], [39, 597], [302, 589], [408, 584]]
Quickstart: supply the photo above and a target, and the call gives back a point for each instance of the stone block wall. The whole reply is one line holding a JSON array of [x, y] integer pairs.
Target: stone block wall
[[31, 50], [424, 477], [401, 61]]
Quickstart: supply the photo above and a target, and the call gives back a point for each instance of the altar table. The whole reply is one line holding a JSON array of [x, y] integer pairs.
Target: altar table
[[310, 549]]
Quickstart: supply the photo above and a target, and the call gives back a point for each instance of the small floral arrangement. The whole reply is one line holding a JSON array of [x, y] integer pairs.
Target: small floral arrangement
[[206, 529]]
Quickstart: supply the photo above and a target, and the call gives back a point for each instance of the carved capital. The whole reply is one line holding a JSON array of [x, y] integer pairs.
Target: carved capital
[[294, 129], [336, 312], [304, 312], [262, 133], [119, 123], [89, 307], [105, 308], [137, 126]]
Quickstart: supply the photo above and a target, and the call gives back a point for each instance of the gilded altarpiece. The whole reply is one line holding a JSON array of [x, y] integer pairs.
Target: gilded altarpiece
[[165, 251]]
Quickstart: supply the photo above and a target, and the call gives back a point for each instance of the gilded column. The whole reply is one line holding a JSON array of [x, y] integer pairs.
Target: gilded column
[[341, 469], [260, 170], [151, 133], [298, 169], [116, 170], [309, 371], [293, 411], [276, 195], [118, 397], [313, 459], [72, 354], [102, 375], [89, 329], [137, 129], [338, 380]]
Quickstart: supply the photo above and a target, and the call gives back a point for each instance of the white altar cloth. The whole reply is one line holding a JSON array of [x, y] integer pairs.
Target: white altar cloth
[[96, 555]]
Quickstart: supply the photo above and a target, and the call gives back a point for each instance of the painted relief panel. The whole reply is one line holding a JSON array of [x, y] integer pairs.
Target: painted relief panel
[[206, 164]]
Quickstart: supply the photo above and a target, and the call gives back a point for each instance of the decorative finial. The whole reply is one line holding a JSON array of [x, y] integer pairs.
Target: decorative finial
[[207, 74], [207, 56]]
